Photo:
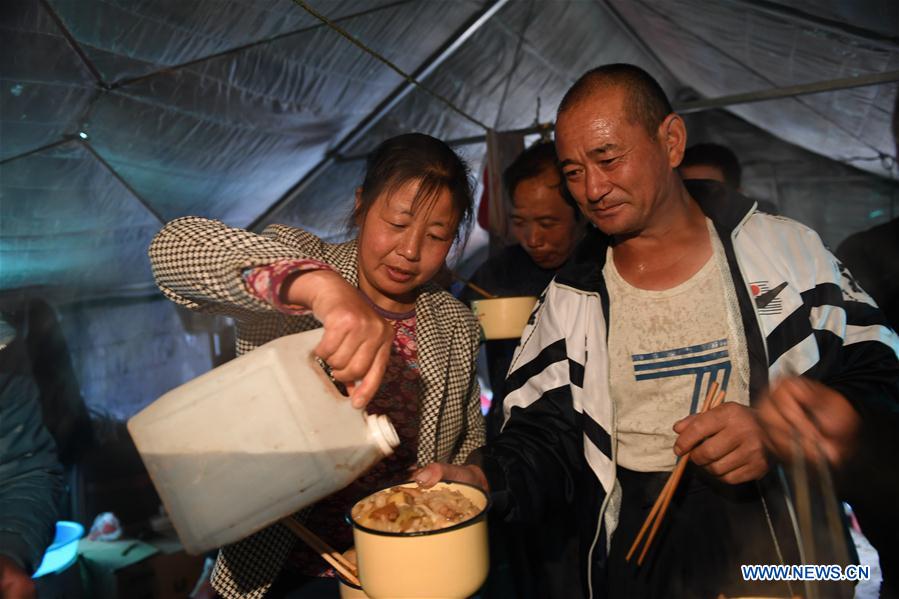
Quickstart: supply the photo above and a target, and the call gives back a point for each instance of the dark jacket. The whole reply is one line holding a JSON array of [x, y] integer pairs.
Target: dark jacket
[[873, 257], [557, 445], [30, 475], [510, 273]]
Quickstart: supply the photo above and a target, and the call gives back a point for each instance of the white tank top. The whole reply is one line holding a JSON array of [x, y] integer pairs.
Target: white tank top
[[665, 347]]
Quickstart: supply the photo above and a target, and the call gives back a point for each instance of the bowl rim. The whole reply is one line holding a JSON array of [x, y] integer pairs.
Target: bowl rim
[[482, 515]]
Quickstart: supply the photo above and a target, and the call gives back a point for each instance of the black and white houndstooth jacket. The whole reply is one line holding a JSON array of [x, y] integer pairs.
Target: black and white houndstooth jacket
[[199, 263]]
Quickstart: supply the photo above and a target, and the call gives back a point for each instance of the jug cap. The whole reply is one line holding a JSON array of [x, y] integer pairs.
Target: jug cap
[[381, 431]]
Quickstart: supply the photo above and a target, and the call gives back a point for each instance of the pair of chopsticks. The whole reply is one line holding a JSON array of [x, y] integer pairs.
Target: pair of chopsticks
[[806, 484], [346, 569], [476, 288], [712, 399]]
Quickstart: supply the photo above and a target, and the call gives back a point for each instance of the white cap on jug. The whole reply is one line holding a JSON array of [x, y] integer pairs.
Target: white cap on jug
[[381, 430]]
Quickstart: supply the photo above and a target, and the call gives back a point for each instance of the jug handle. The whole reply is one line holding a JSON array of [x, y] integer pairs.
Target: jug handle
[[330, 384]]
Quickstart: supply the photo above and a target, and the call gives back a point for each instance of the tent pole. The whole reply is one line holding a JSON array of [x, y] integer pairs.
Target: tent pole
[[789, 91], [392, 99], [265, 41], [73, 43], [121, 180], [782, 11], [636, 39], [712, 103]]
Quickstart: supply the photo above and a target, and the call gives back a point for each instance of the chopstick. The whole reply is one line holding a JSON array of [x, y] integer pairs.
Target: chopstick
[[472, 286], [657, 513], [337, 561]]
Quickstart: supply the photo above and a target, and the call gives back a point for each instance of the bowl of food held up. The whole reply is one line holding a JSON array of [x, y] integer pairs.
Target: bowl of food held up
[[412, 542]]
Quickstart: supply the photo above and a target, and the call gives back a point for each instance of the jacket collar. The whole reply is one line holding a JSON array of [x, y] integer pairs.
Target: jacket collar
[[726, 209]]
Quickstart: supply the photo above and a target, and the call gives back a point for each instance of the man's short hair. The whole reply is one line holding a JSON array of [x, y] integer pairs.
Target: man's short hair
[[721, 157], [531, 163], [646, 101]]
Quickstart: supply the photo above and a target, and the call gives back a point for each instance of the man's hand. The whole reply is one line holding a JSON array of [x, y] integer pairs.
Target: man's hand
[[14, 581], [432, 474], [356, 342], [821, 419], [727, 442]]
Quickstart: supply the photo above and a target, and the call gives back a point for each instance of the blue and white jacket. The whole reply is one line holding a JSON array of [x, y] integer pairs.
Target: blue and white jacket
[[557, 444]]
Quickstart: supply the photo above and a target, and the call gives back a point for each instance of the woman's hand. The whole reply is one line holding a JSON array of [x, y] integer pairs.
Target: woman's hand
[[432, 474], [356, 342], [820, 418]]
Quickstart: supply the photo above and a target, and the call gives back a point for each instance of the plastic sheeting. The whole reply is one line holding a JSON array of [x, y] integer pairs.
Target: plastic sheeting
[[45, 86], [726, 48], [68, 222], [220, 108], [498, 76]]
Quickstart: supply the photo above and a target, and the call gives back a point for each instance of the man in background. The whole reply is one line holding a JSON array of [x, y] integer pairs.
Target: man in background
[[530, 562], [873, 255], [546, 225], [714, 162]]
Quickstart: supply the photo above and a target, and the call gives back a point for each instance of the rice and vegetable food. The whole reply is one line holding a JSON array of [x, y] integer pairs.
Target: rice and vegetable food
[[409, 509]]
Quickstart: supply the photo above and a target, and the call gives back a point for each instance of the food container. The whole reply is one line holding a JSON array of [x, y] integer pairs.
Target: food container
[[503, 317], [450, 563], [253, 441]]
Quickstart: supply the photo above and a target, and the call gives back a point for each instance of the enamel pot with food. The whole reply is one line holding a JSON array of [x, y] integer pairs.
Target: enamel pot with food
[[449, 563], [503, 317]]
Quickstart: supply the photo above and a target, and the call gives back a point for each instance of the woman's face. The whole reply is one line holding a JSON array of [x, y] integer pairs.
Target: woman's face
[[402, 246]]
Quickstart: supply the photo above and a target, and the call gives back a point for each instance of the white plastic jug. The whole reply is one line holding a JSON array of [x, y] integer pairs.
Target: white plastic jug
[[253, 441]]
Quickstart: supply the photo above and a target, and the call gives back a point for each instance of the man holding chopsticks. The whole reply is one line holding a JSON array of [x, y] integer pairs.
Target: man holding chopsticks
[[678, 292]]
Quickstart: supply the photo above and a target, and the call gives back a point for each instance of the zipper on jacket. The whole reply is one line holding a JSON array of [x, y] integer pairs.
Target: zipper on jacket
[[614, 448], [742, 271]]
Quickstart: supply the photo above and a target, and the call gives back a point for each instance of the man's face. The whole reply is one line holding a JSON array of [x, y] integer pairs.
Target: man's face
[[614, 169], [702, 171], [541, 221]]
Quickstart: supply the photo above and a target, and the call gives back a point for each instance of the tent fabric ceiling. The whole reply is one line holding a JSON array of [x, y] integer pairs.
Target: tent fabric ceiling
[[98, 227], [493, 80], [718, 49], [220, 107]]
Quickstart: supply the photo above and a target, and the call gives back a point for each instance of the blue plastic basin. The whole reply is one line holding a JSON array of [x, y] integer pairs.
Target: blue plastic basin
[[64, 549]]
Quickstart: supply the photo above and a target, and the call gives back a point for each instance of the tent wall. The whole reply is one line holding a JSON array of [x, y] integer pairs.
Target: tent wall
[[128, 352]]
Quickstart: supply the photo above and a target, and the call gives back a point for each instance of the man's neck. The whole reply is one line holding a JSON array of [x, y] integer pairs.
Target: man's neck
[[671, 249]]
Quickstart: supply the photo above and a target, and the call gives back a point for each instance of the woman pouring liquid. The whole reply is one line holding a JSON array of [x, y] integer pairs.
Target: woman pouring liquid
[[404, 347]]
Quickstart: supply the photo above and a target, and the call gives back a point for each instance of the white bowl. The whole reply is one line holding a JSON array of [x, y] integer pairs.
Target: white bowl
[[503, 317]]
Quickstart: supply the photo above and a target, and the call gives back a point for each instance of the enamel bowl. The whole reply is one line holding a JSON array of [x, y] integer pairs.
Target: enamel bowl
[[503, 317], [449, 563]]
